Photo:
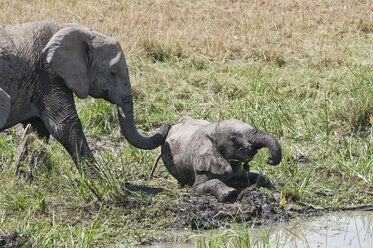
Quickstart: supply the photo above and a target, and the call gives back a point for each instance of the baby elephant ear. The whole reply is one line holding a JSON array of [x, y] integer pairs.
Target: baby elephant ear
[[66, 53], [4, 107], [209, 159]]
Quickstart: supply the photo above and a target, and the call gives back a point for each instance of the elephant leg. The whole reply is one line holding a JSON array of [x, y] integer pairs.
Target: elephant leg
[[31, 153], [69, 132], [38, 126], [60, 117], [216, 187], [259, 180], [28, 156]]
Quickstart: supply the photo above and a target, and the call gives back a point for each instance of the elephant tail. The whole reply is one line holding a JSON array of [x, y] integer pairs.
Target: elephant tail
[[155, 165]]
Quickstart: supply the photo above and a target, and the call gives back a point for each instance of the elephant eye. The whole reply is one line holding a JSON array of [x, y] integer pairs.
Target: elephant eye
[[233, 138], [113, 74]]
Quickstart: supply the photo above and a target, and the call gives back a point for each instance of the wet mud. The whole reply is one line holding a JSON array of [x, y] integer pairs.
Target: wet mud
[[204, 212], [251, 207]]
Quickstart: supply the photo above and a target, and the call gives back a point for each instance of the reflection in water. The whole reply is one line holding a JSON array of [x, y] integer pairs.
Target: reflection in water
[[343, 229]]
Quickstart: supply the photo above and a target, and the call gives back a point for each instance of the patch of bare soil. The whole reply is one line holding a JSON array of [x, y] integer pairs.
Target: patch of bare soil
[[364, 125], [14, 239]]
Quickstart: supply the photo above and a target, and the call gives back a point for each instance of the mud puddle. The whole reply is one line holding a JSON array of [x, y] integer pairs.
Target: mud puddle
[[332, 230], [337, 229]]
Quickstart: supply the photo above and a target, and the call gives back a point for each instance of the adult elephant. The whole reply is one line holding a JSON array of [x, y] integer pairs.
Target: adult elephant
[[4, 107], [43, 63]]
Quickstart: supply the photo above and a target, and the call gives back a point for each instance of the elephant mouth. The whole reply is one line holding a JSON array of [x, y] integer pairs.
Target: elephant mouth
[[239, 165], [245, 155]]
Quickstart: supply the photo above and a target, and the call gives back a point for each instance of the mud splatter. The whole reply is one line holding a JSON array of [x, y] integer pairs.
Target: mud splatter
[[252, 207]]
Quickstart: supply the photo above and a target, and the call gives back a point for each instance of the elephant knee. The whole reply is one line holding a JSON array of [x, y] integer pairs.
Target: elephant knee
[[224, 193], [199, 188], [260, 180]]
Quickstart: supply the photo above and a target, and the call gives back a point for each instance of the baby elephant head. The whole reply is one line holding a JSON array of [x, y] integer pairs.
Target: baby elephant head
[[239, 141]]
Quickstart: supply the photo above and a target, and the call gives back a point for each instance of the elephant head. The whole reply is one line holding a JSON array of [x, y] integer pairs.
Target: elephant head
[[239, 141], [4, 107], [91, 63]]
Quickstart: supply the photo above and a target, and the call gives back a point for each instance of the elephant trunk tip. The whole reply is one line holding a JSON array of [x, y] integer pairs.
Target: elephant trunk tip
[[163, 130], [263, 139], [276, 156], [270, 161]]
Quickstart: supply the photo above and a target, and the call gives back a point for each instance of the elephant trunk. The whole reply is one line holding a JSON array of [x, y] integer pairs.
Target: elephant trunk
[[128, 128], [262, 139]]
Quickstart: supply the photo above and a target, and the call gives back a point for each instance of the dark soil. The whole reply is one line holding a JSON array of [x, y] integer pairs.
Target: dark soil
[[14, 239], [251, 207], [203, 212], [364, 125]]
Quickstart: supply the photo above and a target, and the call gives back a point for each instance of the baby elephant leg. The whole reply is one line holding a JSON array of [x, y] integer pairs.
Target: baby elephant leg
[[259, 180], [216, 187]]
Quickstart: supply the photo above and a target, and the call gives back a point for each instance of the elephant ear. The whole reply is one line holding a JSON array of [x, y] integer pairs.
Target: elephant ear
[[209, 158], [66, 54], [4, 107]]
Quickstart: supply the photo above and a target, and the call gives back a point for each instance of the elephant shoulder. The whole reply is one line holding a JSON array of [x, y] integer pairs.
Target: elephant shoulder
[[31, 36]]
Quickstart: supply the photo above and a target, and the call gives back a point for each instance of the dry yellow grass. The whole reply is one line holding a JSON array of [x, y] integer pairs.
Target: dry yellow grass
[[314, 32]]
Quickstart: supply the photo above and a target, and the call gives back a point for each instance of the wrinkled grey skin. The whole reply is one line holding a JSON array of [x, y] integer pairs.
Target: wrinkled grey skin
[[4, 107], [209, 156], [43, 63]]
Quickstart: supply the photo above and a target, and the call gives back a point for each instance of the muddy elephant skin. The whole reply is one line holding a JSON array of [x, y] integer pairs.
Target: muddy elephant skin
[[209, 156]]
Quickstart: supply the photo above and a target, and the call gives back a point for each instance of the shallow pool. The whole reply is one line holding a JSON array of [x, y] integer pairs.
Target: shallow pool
[[339, 229]]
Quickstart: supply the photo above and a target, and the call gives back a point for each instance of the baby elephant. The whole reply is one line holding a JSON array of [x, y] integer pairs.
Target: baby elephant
[[211, 156]]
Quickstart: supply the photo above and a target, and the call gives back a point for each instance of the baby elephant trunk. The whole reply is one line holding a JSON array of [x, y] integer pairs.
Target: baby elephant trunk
[[262, 139]]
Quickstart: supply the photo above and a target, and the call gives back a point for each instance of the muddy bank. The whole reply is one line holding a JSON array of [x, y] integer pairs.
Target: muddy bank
[[252, 206]]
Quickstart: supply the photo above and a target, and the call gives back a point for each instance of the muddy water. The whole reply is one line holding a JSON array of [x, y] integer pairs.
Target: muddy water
[[343, 229], [338, 229]]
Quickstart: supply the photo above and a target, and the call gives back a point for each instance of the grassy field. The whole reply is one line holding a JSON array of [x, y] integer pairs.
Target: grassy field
[[302, 71]]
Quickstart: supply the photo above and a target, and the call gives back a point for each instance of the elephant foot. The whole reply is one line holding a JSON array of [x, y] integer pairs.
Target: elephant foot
[[90, 168], [218, 188], [228, 195], [259, 180], [31, 154]]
